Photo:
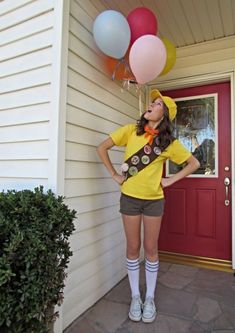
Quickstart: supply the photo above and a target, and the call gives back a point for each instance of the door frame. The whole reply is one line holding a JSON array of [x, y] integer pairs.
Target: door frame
[[201, 79]]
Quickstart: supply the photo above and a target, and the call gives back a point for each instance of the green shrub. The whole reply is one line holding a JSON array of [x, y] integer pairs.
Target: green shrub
[[34, 254]]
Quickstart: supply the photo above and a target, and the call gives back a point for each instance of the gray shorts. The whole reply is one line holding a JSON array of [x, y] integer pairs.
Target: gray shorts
[[134, 206]]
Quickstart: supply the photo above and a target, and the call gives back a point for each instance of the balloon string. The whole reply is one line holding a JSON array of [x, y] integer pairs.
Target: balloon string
[[118, 64], [140, 100]]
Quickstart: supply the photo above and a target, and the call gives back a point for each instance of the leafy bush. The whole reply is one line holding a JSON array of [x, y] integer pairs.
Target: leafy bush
[[34, 253]]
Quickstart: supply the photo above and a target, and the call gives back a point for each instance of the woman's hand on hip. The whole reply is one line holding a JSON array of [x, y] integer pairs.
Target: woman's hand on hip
[[165, 182], [118, 178]]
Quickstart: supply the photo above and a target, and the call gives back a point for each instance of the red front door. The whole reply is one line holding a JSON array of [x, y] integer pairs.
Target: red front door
[[197, 220]]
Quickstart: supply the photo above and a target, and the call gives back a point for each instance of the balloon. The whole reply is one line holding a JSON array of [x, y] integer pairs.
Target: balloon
[[119, 70], [147, 58], [142, 21], [112, 33], [171, 56]]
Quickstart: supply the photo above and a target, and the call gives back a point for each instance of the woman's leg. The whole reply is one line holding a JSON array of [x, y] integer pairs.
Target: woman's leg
[[152, 227], [132, 227]]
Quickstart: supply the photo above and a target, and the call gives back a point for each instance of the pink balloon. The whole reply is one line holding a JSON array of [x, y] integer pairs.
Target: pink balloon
[[147, 58], [142, 21]]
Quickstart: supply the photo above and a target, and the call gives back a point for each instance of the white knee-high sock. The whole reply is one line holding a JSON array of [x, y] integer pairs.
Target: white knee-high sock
[[151, 270], [133, 269]]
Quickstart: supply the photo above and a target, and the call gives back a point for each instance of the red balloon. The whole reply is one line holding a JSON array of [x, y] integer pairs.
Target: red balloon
[[142, 21]]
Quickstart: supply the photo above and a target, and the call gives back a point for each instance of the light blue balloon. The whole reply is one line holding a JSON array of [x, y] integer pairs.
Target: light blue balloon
[[112, 33]]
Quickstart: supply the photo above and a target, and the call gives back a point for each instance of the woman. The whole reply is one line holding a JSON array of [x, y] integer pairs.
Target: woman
[[142, 194]]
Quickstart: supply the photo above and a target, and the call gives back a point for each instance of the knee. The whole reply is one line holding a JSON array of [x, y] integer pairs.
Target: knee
[[151, 250], [133, 250]]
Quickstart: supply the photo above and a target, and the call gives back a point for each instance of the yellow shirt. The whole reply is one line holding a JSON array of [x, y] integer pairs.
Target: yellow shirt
[[146, 184]]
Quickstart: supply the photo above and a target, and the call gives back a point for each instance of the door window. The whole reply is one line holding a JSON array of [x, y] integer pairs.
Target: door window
[[195, 126]]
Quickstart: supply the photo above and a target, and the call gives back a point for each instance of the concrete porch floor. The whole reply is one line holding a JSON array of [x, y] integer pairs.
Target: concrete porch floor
[[188, 299]]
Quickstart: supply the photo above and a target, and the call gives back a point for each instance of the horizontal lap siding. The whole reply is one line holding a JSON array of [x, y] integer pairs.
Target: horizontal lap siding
[[95, 107], [203, 59], [26, 31]]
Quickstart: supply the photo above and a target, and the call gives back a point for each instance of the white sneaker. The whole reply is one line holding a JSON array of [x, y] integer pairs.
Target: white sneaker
[[135, 312], [149, 310]]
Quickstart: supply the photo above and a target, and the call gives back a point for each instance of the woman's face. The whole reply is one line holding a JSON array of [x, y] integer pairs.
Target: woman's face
[[155, 110]]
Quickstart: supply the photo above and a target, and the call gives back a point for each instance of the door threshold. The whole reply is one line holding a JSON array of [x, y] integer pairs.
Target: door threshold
[[196, 261]]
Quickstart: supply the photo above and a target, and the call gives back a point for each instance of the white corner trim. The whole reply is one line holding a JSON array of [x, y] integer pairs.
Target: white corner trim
[[193, 80], [56, 173], [206, 79]]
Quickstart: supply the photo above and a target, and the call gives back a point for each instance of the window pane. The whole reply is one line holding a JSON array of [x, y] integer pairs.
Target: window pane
[[196, 127]]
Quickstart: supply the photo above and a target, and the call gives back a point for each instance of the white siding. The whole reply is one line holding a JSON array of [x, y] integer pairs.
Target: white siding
[[52, 117], [95, 107], [200, 61], [26, 37]]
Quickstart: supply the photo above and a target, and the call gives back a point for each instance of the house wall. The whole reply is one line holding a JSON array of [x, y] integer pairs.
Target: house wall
[[199, 61], [57, 104], [95, 107], [26, 41]]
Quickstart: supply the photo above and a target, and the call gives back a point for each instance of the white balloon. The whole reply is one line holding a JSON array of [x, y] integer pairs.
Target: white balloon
[[112, 33]]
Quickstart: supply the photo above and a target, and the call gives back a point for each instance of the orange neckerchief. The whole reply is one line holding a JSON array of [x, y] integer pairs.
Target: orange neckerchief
[[151, 133]]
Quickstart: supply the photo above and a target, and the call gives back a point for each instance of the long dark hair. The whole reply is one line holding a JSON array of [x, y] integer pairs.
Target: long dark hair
[[165, 129]]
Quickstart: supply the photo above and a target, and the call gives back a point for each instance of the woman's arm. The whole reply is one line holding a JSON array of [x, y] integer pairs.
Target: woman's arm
[[192, 165], [104, 156]]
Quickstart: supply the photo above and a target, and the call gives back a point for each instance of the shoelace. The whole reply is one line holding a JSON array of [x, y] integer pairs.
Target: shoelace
[[136, 304], [149, 305]]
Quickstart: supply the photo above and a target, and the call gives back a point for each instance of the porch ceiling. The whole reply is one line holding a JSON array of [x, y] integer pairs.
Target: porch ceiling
[[183, 22]]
